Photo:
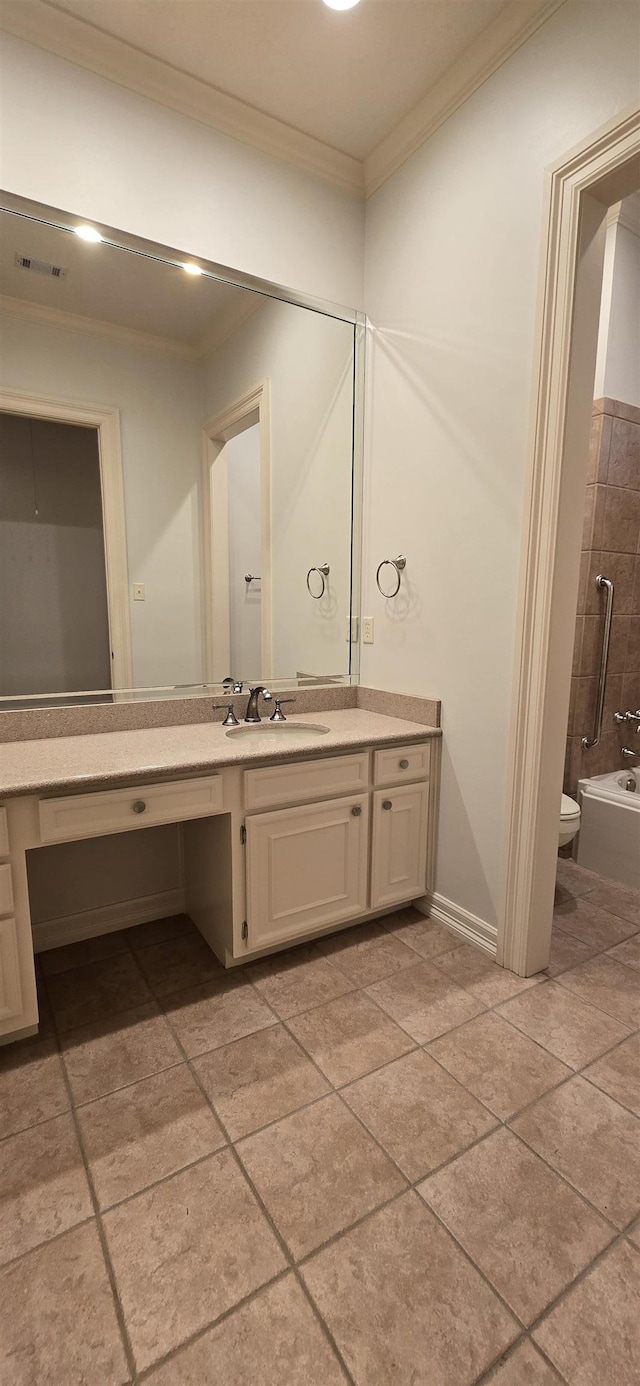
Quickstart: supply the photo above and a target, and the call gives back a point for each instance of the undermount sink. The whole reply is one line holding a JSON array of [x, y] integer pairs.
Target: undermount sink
[[279, 731]]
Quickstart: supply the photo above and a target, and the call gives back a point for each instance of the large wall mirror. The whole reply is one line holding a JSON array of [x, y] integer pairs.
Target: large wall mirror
[[179, 485]]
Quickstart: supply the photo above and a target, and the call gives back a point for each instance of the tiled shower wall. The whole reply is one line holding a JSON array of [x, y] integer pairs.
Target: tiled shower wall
[[611, 546]]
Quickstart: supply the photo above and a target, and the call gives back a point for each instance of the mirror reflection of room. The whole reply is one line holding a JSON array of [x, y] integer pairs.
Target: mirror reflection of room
[[141, 581]]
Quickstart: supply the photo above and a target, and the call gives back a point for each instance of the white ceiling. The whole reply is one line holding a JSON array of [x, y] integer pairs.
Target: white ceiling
[[346, 78]]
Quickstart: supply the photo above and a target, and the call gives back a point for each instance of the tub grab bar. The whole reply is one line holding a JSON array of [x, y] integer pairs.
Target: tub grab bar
[[602, 584]]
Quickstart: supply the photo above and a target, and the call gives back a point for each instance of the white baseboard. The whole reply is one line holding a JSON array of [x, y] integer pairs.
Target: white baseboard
[[468, 926], [70, 928]]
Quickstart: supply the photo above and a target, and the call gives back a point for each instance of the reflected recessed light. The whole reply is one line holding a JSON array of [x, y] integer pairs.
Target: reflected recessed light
[[341, 4], [192, 269], [87, 233]]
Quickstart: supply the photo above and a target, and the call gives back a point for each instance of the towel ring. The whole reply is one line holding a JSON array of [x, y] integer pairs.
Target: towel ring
[[324, 571], [399, 564]]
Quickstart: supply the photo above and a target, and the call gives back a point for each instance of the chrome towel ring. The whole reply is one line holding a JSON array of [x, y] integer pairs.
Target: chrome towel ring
[[323, 571], [399, 564]]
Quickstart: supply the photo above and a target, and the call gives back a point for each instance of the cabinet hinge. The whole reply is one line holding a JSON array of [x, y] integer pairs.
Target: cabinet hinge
[[245, 930], [243, 835]]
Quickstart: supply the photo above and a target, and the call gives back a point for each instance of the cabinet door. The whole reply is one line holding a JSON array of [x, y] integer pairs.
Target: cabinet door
[[306, 867], [399, 848]]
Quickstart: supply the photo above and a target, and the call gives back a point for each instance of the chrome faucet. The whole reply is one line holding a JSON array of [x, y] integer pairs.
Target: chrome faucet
[[252, 713]]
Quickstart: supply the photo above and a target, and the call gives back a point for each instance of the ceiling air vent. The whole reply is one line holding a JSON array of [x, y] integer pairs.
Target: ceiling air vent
[[41, 267]]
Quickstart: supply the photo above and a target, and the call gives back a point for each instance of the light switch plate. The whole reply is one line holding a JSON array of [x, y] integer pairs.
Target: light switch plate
[[138, 591], [367, 630]]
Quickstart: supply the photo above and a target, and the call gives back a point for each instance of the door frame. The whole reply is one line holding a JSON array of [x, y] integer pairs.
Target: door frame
[[107, 424], [253, 407], [579, 189]]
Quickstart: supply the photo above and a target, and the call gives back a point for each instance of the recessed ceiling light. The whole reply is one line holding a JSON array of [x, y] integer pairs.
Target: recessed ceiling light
[[192, 269], [87, 233], [341, 4]]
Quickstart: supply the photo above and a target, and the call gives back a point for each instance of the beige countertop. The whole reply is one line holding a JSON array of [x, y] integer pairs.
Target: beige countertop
[[111, 758]]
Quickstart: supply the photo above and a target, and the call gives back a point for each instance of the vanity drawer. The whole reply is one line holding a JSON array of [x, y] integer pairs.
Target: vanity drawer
[[276, 785], [4, 833], [116, 810], [6, 889], [398, 763]]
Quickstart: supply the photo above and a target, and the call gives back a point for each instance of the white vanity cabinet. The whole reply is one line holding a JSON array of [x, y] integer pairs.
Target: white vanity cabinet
[[273, 854], [313, 865]]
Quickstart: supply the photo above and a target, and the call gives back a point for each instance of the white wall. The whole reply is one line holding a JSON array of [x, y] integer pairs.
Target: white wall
[[452, 262], [88, 146], [309, 362], [159, 398], [618, 361]]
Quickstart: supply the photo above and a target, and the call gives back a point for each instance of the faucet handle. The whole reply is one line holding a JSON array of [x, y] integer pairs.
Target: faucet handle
[[278, 715], [230, 720]]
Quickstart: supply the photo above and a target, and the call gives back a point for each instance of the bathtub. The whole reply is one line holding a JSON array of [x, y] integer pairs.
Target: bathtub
[[609, 837]]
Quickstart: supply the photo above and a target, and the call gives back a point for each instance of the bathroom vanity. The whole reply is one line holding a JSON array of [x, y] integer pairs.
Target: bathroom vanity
[[285, 836]]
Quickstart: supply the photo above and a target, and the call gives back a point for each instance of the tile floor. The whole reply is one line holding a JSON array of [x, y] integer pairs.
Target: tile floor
[[379, 1160]]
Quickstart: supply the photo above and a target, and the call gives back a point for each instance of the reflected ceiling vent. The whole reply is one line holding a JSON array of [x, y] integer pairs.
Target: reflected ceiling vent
[[41, 267]]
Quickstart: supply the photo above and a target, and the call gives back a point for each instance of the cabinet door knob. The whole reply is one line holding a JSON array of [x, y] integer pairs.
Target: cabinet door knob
[[356, 810], [139, 806], [387, 804], [404, 765]]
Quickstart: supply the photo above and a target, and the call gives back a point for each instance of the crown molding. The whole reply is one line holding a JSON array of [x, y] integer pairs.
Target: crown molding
[[53, 28], [95, 327], [506, 33]]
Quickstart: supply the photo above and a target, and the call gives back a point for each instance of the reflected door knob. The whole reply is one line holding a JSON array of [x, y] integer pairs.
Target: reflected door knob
[[139, 806]]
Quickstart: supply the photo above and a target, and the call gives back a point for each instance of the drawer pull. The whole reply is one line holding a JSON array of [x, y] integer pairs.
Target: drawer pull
[[139, 806], [387, 804], [404, 765], [356, 810]]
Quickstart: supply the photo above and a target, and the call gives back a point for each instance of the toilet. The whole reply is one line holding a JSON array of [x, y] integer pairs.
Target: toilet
[[569, 820]]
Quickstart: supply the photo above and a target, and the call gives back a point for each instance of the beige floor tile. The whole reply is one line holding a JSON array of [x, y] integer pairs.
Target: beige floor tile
[[591, 924], [593, 1334], [186, 1251], [627, 952], [563, 1024], [608, 984], [502, 1067], [59, 1325], [574, 879], [142, 1133], [259, 1079], [96, 991], [418, 1113], [617, 900], [403, 1303], [633, 1233], [177, 963], [294, 981], [524, 1367], [158, 931], [474, 971], [424, 1001], [222, 1010], [566, 952], [522, 1225], [618, 1073], [317, 1172], [275, 1340], [32, 1085], [427, 937], [108, 1054], [367, 953], [349, 1037], [43, 1186], [88, 950], [592, 1141]]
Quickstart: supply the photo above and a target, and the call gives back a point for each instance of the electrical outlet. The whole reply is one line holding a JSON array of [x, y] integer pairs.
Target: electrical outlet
[[367, 630], [138, 591]]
